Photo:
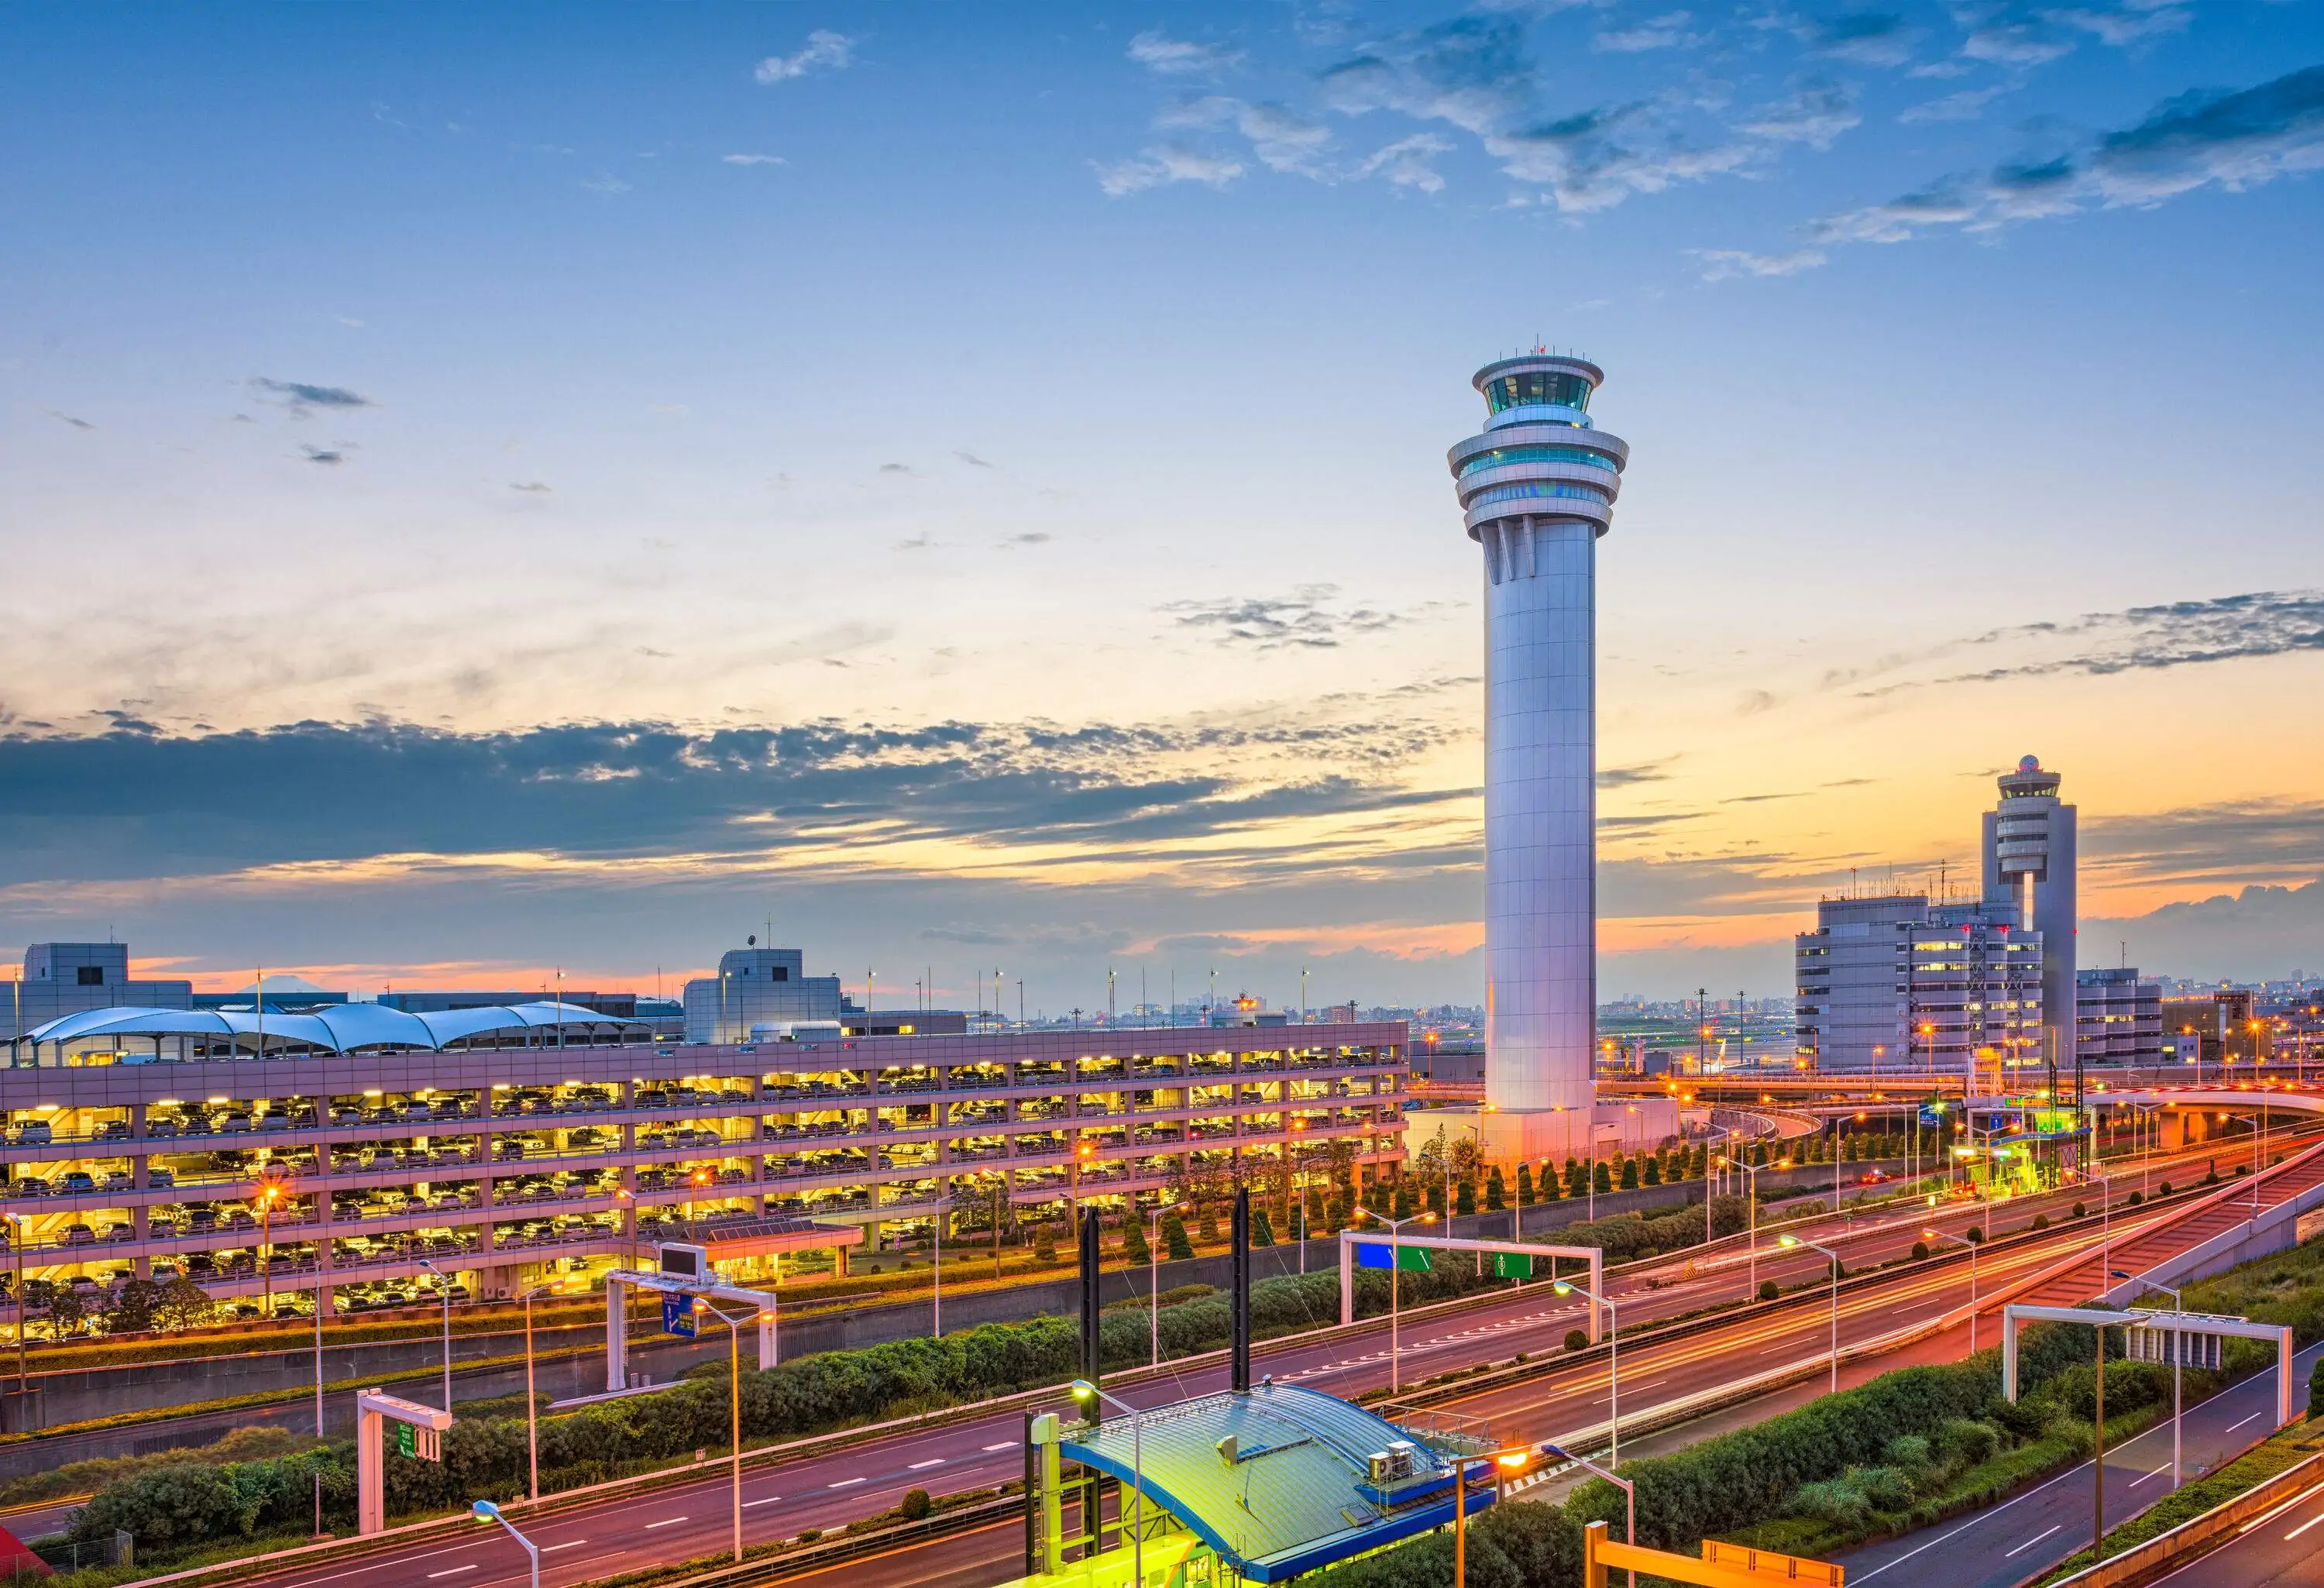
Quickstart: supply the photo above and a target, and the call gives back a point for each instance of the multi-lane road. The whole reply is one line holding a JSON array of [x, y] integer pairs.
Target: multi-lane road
[[825, 1490]]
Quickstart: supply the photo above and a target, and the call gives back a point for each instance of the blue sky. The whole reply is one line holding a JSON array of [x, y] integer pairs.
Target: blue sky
[[501, 487]]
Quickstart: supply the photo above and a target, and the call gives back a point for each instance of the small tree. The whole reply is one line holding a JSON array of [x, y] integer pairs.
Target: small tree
[[66, 1311], [1135, 1252], [1652, 1174], [1525, 1185], [1630, 1174], [1209, 1223], [1262, 1228], [133, 1307], [1173, 1237], [1577, 1178], [183, 1304], [1435, 1195], [1602, 1177], [1401, 1203], [1045, 1244], [1497, 1193], [1464, 1198]]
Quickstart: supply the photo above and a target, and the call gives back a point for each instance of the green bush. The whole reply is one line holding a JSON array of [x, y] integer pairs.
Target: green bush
[[1769, 1291], [916, 1505], [1579, 1340]]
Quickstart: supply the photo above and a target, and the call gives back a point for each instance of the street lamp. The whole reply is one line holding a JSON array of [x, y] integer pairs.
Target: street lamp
[[733, 1407], [1934, 1234], [444, 1290], [1832, 1257], [1089, 1395], [1613, 1366], [1154, 1278], [270, 1192], [1629, 1493], [531, 1416], [1513, 1458], [1394, 1271], [1751, 1241], [17, 1294], [2178, 1351], [485, 1510]]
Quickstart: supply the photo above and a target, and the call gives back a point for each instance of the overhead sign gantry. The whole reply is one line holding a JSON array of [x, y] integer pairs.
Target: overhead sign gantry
[[680, 1271]]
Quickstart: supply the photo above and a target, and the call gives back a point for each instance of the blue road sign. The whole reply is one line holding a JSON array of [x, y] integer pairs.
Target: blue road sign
[[677, 1315]]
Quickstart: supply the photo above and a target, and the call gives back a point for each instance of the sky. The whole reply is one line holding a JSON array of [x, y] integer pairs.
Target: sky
[[500, 489]]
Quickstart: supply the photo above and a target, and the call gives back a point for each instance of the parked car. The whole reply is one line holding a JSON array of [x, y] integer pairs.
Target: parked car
[[79, 1234], [76, 1181], [34, 1133], [160, 1179]]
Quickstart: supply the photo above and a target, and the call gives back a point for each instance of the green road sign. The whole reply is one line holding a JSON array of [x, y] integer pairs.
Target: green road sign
[[407, 1442], [1512, 1265], [1412, 1260]]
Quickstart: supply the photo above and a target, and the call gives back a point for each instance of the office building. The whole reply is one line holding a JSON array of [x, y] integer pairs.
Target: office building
[[2118, 1017], [1853, 975], [513, 1146], [1536, 488], [59, 979], [1889, 984], [2217, 1028], [759, 987], [2029, 853]]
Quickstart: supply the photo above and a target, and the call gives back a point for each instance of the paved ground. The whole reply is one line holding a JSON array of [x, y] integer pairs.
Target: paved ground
[[2275, 1550]]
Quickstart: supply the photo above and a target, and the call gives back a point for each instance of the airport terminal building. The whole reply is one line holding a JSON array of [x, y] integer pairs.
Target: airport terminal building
[[364, 1146]]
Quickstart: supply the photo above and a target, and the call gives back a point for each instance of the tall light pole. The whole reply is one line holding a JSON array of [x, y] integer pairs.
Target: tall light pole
[[1751, 1241], [1629, 1493], [1613, 1365], [1831, 1258], [734, 1408], [444, 1290], [270, 1192], [1934, 1234], [531, 1414], [485, 1510], [1395, 1270], [2178, 1351], [1089, 1395], [17, 1295]]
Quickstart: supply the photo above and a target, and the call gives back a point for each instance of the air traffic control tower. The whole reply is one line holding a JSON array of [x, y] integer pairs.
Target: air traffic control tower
[[1536, 488]]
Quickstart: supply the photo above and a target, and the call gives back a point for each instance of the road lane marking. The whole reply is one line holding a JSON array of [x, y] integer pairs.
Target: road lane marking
[[921, 1466], [1004, 1445], [2268, 1516], [665, 1522], [769, 1499], [452, 1571], [2157, 1473], [568, 1544], [2303, 1527], [2253, 1418], [846, 1483], [2037, 1538]]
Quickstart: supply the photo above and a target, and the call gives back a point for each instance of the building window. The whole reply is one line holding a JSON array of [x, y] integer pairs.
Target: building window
[[781, 973], [92, 975]]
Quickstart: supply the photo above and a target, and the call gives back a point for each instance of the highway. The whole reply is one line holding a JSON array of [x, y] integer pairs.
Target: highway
[[2276, 1549], [825, 1490], [783, 1498]]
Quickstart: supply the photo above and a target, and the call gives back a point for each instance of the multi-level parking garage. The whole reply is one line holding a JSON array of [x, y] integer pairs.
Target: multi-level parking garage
[[372, 1170]]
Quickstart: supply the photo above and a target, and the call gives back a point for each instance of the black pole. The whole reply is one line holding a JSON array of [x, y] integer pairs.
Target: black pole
[[1090, 1302], [1238, 1307], [1032, 1501]]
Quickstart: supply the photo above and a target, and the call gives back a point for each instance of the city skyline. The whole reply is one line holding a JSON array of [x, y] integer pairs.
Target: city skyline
[[489, 495]]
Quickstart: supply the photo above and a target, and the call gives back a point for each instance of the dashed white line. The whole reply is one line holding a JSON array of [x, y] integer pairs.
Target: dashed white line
[[1004, 1445], [922, 1466], [847, 1483], [2253, 1418], [452, 1571], [2157, 1473], [2030, 1542], [769, 1499], [665, 1522], [568, 1544]]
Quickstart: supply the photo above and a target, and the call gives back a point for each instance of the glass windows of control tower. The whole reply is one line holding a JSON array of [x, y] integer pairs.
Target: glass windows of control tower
[[1533, 388]]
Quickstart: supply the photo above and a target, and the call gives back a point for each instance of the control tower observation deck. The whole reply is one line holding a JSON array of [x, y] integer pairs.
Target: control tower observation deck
[[1536, 488]]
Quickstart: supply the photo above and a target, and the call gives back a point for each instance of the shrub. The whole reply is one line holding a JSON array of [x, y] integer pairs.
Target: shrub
[[2080, 1212], [1134, 1249], [1831, 1500], [916, 1505], [2163, 1190], [2316, 1390], [1579, 1339], [1974, 1235], [2040, 1221], [1965, 1442], [1768, 1290], [1173, 1237], [1920, 1249], [2135, 1199]]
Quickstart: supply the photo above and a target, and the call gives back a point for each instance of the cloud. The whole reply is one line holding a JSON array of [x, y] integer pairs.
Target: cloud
[[1280, 139], [1815, 113], [1667, 31], [329, 457], [2127, 26], [1966, 106], [754, 160], [1720, 265], [1595, 159], [1158, 52], [920, 543], [1304, 619], [606, 182], [1626, 777], [1409, 162], [2259, 931], [825, 51], [1472, 72], [299, 396], [1029, 537], [79, 424], [900, 469], [971, 458], [1755, 702], [1163, 164], [531, 485], [1868, 38]]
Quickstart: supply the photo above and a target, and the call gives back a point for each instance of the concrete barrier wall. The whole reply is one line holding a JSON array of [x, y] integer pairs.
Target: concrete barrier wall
[[2142, 1561]]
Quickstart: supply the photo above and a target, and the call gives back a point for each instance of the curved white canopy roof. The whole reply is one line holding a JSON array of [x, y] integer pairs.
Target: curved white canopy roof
[[340, 1027]]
